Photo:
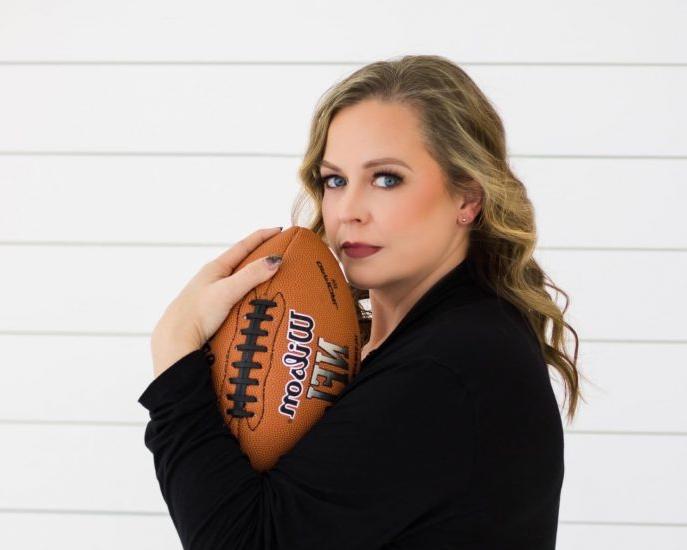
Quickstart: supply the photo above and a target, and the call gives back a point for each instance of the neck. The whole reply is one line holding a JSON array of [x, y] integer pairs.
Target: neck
[[390, 304]]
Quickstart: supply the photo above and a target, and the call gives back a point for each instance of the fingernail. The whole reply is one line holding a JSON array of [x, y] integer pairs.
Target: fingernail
[[273, 261]]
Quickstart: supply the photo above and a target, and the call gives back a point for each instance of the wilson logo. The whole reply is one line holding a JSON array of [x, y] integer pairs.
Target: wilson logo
[[300, 334]]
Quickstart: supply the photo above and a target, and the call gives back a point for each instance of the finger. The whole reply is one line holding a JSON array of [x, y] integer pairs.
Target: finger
[[225, 264], [235, 287]]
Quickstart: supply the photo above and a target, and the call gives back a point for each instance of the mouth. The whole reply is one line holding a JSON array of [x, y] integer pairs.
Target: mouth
[[348, 244], [360, 250]]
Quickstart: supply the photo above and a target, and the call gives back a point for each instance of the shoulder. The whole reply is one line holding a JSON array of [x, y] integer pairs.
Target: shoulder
[[488, 331], [481, 321]]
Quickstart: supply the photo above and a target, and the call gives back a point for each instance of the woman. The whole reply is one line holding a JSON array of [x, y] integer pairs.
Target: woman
[[450, 436]]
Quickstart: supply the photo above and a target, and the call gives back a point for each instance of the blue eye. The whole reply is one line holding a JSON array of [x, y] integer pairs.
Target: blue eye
[[397, 177]]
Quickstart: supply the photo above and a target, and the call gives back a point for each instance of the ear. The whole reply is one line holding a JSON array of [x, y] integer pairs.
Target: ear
[[469, 202]]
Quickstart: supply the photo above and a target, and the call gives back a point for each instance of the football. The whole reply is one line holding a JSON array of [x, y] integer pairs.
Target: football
[[286, 349]]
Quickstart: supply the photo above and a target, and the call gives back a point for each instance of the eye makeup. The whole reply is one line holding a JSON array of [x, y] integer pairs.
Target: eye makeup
[[322, 180]]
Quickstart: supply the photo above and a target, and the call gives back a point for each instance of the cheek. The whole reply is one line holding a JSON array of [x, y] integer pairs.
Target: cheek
[[413, 210], [329, 221], [325, 208]]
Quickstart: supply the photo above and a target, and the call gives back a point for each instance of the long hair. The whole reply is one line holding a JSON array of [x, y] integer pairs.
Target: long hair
[[465, 135]]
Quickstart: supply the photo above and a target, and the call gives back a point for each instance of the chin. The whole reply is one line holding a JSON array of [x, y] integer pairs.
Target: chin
[[358, 280]]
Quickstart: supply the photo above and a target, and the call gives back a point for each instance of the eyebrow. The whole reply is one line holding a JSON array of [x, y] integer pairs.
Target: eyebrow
[[370, 163]]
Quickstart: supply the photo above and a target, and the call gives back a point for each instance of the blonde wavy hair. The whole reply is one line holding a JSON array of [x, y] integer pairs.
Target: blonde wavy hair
[[465, 135]]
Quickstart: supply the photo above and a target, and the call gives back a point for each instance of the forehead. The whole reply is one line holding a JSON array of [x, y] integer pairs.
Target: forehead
[[372, 129]]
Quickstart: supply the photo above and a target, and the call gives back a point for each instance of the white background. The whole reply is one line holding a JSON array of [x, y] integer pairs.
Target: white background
[[140, 139]]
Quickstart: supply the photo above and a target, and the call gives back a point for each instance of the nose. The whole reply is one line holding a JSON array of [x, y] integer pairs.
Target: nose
[[351, 203]]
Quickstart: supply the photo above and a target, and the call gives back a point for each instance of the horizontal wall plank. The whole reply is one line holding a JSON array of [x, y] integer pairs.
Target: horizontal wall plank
[[546, 110], [624, 478], [620, 295], [484, 31], [627, 537], [630, 387], [143, 199], [81, 379], [578, 202], [77, 531]]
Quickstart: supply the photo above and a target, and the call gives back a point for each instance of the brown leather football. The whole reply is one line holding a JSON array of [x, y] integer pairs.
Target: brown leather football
[[287, 349]]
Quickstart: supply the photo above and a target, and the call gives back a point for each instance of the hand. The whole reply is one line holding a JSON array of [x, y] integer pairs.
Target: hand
[[204, 303]]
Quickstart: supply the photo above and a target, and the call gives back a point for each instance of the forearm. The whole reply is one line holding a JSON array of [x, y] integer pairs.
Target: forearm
[[206, 480]]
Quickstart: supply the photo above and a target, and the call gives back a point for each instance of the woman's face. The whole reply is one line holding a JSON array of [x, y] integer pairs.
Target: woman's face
[[407, 212]]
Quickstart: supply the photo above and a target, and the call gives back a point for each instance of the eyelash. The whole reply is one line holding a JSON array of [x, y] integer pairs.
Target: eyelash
[[323, 180]]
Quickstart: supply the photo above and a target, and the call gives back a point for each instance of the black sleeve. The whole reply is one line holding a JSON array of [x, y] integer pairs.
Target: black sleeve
[[381, 457]]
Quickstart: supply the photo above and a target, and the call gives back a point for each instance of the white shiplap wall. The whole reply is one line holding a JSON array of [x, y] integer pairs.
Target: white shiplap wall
[[133, 135]]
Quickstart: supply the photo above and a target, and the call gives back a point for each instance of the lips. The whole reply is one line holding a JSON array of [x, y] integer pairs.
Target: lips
[[360, 251], [348, 244]]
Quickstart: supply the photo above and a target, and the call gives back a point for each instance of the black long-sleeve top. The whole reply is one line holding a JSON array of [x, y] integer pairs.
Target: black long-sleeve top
[[449, 437]]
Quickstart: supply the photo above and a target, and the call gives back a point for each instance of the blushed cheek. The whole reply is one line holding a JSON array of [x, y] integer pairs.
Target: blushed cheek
[[417, 228], [330, 230], [414, 211]]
